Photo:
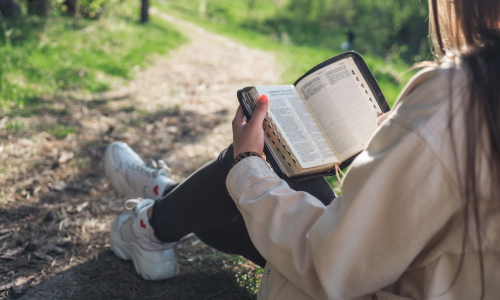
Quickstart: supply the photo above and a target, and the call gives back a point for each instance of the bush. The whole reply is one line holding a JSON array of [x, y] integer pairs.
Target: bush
[[396, 29], [91, 8]]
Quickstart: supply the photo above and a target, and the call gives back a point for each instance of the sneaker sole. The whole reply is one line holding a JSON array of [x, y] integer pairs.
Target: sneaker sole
[[117, 181], [151, 265]]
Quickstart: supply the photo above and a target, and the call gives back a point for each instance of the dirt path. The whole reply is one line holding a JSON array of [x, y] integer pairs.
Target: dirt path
[[57, 205]]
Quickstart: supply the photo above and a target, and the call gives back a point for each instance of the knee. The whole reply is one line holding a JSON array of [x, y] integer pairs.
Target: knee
[[227, 155]]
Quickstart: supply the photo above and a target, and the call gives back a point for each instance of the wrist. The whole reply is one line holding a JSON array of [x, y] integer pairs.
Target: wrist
[[237, 151], [244, 155]]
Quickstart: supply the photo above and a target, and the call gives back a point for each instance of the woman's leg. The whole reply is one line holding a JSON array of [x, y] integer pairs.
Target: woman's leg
[[233, 238], [201, 204]]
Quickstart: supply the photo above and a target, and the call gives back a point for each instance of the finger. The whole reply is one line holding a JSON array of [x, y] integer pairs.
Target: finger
[[260, 111], [239, 119]]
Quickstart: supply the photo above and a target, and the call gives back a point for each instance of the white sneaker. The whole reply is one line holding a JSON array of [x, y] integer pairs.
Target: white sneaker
[[132, 238], [131, 177]]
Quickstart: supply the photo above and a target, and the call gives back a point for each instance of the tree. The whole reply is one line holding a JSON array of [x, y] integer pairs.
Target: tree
[[71, 7], [9, 9], [38, 7], [144, 11]]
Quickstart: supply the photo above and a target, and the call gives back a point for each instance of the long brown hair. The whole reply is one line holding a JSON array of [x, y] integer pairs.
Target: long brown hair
[[468, 30]]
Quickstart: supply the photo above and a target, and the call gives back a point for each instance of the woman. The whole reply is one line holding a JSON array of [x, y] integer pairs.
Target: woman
[[418, 217]]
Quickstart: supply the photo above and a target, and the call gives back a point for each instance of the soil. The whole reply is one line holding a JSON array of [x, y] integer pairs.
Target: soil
[[57, 205]]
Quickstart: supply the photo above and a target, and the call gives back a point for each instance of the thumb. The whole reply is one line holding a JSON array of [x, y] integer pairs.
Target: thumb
[[260, 111]]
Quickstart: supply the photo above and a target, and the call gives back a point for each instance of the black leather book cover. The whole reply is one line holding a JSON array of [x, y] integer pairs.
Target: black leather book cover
[[374, 87]]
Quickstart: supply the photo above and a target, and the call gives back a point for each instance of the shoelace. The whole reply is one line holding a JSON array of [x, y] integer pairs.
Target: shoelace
[[160, 167], [134, 203]]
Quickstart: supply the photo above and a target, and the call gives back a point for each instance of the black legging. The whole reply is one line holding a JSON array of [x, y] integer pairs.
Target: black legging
[[201, 204]]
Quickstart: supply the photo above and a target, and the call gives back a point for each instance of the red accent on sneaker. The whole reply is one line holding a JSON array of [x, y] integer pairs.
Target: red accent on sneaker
[[142, 224], [155, 190]]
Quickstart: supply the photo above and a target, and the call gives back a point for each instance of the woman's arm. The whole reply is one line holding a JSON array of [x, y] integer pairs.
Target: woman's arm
[[395, 198]]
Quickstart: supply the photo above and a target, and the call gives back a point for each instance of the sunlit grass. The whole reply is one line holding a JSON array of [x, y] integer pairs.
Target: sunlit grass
[[59, 130], [296, 60], [60, 53], [14, 126]]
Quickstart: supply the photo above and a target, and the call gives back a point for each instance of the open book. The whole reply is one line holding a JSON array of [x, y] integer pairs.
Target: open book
[[319, 124]]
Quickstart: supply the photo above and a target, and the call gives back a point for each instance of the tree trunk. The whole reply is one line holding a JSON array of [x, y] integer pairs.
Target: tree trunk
[[38, 7], [144, 11], [71, 5], [9, 9]]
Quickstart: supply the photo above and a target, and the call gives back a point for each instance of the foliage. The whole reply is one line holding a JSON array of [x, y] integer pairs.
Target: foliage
[[377, 24], [92, 8], [389, 28], [391, 74], [42, 56]]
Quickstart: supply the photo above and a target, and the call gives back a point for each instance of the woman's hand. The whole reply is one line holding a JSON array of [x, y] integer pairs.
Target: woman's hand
[[249, 136]]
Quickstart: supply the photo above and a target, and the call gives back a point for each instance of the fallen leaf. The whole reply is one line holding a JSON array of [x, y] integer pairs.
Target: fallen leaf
[[82, 206], [6, 286], [6, 236], [12, 253], [42, 256], [22, 280], [20, 289], [57, 250], [58, 186], [65, 156], [4, 231]]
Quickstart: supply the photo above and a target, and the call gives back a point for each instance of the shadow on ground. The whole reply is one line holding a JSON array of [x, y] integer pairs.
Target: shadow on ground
[[57, 204], [206, 275]]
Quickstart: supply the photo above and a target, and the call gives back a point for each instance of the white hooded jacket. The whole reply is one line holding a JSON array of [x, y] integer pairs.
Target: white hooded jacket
[[396, 231]]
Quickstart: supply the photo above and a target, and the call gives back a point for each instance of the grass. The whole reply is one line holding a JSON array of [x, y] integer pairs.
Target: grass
[[63, 54], [391, 75], [14, 126], [60, 131]]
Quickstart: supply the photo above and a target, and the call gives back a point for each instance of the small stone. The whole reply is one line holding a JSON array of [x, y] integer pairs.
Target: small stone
[[31, 247], [43, 257], [30, 189], [20, 241], [57, 250], [50, 216]]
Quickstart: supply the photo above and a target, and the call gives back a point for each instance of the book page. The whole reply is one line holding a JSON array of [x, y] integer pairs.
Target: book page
[[297, 126], [343, 104]]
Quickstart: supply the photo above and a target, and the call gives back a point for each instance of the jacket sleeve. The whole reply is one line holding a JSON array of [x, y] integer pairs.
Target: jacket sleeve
[[390, 208]]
